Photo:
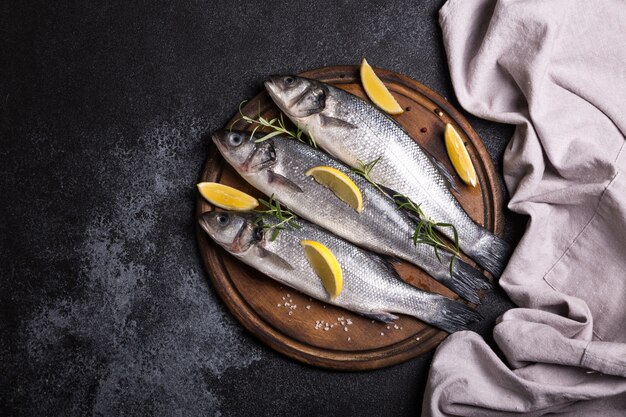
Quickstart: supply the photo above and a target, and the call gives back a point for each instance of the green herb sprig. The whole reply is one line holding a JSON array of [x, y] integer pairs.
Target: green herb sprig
[[425, 230], [277, 125], [364, 169], [274, 209]]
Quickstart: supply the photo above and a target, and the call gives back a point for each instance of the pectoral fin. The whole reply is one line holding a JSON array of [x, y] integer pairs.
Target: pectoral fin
[[283, 181], [273, 259], [329, 121]]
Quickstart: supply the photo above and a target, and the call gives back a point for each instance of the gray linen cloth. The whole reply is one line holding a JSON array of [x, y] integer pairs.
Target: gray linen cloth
[[557, 70]]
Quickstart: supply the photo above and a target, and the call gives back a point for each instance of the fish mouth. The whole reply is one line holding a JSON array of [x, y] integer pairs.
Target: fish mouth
[[217, 140], [273, 89], [203, 221], [270, 85]]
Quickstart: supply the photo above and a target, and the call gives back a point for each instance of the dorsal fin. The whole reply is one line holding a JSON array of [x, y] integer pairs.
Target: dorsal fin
[[385, 263]]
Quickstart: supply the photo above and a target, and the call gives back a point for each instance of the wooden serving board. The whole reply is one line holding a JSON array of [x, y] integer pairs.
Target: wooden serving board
[[352, 342]]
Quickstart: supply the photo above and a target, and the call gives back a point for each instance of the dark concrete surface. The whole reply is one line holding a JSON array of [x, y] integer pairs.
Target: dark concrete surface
[[105, 108]]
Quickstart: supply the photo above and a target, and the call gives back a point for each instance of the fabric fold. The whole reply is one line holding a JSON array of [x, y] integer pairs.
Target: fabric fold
[[555, 69]]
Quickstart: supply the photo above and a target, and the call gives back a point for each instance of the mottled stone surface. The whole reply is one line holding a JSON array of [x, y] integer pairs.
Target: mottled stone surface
[[105, 108]]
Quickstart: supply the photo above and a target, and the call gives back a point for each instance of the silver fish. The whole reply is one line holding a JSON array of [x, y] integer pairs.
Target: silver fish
[[370, 286], [355, 132], [277, 167]]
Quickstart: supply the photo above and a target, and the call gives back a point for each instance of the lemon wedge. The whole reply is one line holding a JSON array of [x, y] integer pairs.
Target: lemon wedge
[[340, 184], [376, 90], [458, 155], [226, 197], [325, 266]]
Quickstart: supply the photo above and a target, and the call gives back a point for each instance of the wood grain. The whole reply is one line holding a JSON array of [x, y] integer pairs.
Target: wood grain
[[254, 299]]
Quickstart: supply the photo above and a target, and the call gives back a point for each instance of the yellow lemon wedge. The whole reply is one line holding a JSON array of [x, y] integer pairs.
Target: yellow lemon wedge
[[376, 90], [458, 155], [325, 266], [226, 197], [340, 184]]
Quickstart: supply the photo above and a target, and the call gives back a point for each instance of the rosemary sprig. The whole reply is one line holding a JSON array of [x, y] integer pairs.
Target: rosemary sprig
[[364, 169], [425, 230], [277, 125], [274, 209]]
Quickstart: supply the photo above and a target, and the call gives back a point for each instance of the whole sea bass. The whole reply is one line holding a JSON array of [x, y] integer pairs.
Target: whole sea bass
[[277, 167], [356, 132], [370, 286]]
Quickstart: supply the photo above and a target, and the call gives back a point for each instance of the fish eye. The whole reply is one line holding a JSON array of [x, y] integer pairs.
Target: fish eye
[[290, 80], [235, 139], [222, 219]]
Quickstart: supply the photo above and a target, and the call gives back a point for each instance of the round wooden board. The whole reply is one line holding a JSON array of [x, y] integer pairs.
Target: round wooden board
[[258, 301]]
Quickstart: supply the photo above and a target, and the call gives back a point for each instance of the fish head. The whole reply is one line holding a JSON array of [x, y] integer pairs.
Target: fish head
[[235, 232], [297, 97], [243, 153]]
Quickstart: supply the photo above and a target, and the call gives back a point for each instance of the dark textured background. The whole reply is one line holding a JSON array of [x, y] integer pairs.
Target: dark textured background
[[104, 110]]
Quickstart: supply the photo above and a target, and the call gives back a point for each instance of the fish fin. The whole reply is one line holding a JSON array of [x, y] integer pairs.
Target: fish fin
[[447, 175], [379, 315], [283, 181], [453, 316], [492, 253], [386, 263], [273, 259], [413, 216], [466, 281], [329, 121], [391, 260]]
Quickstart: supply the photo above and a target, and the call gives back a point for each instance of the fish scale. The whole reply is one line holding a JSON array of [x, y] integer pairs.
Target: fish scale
[[380, 226], [385, 293], [370, 286], [355, 132], [400, 160]]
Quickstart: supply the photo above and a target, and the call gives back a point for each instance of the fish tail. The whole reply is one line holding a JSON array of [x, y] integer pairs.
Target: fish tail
[[453, 316], [492, 253], [466, 281]]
